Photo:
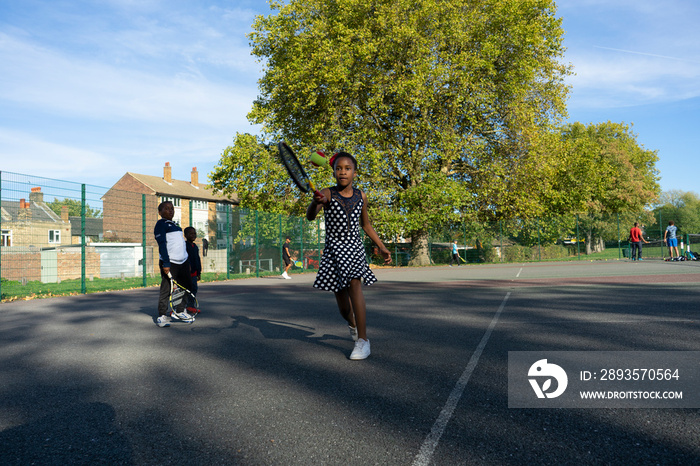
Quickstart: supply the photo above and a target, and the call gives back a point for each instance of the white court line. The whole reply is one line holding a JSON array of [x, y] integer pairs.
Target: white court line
[[431, 441], [518, 275]]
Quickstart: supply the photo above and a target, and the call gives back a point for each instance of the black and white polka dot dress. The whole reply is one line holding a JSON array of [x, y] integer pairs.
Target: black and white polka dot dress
[[344, 254]]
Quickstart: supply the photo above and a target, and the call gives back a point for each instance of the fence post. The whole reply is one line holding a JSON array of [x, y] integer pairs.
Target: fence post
[[301, 240], [578, 243], [144, 268], [257, 246], [465, 241], [228, 241], [282, 241], [396, 250], [661, 237], [318, 239], [83, 287], [500, 230], [539, 242], [619, 246], [1, 238]]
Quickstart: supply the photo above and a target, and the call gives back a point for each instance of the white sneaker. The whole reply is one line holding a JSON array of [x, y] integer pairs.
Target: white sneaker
[[353, 332], [361, 350], [285, 276], [183, 316], [163, 321]]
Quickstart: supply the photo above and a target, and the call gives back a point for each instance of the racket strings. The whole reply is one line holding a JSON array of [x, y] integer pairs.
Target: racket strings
[[296, 171], [176, 297]]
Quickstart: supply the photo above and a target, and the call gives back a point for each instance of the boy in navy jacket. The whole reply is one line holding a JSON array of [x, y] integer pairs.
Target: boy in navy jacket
[[173, 260]]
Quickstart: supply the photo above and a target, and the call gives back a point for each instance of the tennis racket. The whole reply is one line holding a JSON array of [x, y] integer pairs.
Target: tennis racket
[[295, 170], [298, 263], [178, 293]]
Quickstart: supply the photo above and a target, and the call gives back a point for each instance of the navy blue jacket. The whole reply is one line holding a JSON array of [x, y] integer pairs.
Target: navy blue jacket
[[171, 242]]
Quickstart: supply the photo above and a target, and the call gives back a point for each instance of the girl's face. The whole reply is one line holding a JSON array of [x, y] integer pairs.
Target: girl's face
[[344, 171]]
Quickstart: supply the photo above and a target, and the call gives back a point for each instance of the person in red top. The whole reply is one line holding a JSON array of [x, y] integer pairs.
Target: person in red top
[[636, 239]]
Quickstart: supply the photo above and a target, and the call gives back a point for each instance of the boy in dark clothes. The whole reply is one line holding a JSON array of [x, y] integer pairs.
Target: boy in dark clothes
[[193, 258]]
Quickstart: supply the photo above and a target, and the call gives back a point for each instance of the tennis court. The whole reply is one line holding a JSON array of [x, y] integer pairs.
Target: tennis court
[[262, 377]]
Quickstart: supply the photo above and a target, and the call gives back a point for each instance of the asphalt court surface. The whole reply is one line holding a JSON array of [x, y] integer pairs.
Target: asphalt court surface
[[263, 376]]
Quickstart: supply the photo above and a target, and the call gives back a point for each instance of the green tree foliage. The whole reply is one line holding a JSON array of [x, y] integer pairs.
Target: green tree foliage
[[442, 102], [683, 207], [251, 170], [603, 171], [74, 208]]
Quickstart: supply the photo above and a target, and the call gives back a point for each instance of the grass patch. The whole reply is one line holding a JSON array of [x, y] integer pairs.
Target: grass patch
[[14, 290]]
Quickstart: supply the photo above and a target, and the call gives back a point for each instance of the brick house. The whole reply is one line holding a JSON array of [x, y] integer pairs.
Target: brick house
[[29, 229], [136, 196], [33, 223]]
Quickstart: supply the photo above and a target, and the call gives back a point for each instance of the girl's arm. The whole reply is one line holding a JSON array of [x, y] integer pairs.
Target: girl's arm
[[317, 204], [369, 229]]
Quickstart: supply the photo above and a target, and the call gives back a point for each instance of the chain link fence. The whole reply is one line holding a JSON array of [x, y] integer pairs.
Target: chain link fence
[[60, 238]]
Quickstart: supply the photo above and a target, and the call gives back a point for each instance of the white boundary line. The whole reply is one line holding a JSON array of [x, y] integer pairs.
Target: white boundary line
[[431, 441]]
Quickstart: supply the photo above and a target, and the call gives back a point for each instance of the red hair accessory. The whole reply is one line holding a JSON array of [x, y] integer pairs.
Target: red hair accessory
[[330, 162]]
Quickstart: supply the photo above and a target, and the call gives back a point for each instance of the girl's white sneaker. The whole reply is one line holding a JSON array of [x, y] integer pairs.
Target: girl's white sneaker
[[361, 350]]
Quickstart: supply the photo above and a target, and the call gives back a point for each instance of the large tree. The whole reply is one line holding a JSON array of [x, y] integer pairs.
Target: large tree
[[442, 101], [683, 207], [605, 173]]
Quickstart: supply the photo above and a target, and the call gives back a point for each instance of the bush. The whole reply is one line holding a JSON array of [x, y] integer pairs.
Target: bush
[[556, 251], [517, 253]]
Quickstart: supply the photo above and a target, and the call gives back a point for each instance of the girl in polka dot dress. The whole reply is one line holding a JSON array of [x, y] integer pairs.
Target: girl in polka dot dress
[[343, 266]]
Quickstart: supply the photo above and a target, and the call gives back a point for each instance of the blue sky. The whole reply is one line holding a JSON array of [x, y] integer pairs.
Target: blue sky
[[92, 89]]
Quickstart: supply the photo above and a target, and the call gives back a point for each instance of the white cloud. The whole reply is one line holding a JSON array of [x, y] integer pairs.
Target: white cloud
[[619, 78], [64, 85], [24, 153], [631, 53]]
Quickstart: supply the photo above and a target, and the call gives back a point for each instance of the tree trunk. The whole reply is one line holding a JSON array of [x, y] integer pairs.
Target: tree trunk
[[594, 243], [419, 248], [598, 244], [589, 237]]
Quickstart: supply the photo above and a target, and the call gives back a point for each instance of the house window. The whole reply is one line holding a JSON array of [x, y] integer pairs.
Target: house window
[[201, 227], [7, 238], [199, 205], [54, 236], [174, 200]]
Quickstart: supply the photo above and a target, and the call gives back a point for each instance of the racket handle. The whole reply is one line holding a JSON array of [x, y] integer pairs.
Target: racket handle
[[313, 187]]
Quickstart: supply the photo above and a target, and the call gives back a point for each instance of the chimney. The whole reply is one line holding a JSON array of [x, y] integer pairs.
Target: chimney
[[36, 195], [194, 177], [64, 213], [25, 213], [168, 172]]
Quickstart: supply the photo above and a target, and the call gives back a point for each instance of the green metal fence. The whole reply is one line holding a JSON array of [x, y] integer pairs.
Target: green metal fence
[[60, 237]]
